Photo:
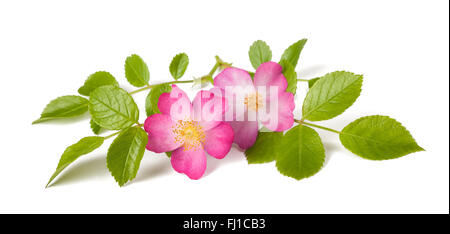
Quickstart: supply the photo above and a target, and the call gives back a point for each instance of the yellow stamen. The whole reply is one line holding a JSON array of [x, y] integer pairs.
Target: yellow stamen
[[254, 101], [189, 133]]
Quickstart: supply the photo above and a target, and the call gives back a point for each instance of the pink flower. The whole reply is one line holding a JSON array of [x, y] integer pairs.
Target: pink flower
[[266, 91], [189, 129]]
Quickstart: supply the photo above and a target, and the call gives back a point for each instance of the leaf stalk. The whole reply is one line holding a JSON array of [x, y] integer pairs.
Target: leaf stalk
[[316, 126]]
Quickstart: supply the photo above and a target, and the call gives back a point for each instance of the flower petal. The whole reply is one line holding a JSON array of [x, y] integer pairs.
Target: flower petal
[[233, 77], [209, 107], [245, 133], [270, 74], [236, 85], [191, 162], [176, 104], [218, 140], [282, 119], [160, 135]]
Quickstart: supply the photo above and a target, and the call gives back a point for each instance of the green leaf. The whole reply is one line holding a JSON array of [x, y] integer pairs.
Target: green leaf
[[259, 53], [301, 153], [125, 154], [292, 53], [64, 107], [113, 108], [331, 95], [311, 82], [96, 80], [151, 102], [378, 138], [95, 127], [136, 71], [169, 154], [73, 152], [178, 65], [265, 148], [290, 75]]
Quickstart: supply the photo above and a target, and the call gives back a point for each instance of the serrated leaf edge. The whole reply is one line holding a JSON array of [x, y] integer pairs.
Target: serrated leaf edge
[[137, 109], [304, 41], [56, 173], [360, 80], [121, 183], [84, 84], [382, 159], [134, 70], [178, 64], [322, 161], [43, 119], [259, 53]]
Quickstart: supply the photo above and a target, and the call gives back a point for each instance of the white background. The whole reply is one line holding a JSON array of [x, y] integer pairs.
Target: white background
[[48, 48]]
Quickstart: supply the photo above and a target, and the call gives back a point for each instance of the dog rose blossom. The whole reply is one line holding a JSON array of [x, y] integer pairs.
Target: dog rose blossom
[[266, 91], [189, 130]]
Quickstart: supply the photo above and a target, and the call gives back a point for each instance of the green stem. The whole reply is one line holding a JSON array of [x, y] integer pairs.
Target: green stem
[[219, 62], [214, 69], [316, 126], [151, 86], [304, 80], [139, 90], [111, 135], [177, 82]]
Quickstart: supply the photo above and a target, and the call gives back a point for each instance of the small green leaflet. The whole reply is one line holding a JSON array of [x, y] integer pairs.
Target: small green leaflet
[[73, 152], [301, 153], [331, 95], [265, 148], [292, 53], [125, 154], [259, 53], [96, 80], [136, 71], [311, 82], [113, 108], [64, 107], [178, 65], [290, 75], [378, 138], [151, 102], [95, 127]]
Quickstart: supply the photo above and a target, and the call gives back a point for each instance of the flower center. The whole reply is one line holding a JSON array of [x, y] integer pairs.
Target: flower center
[[254, 101], [189, 133]]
